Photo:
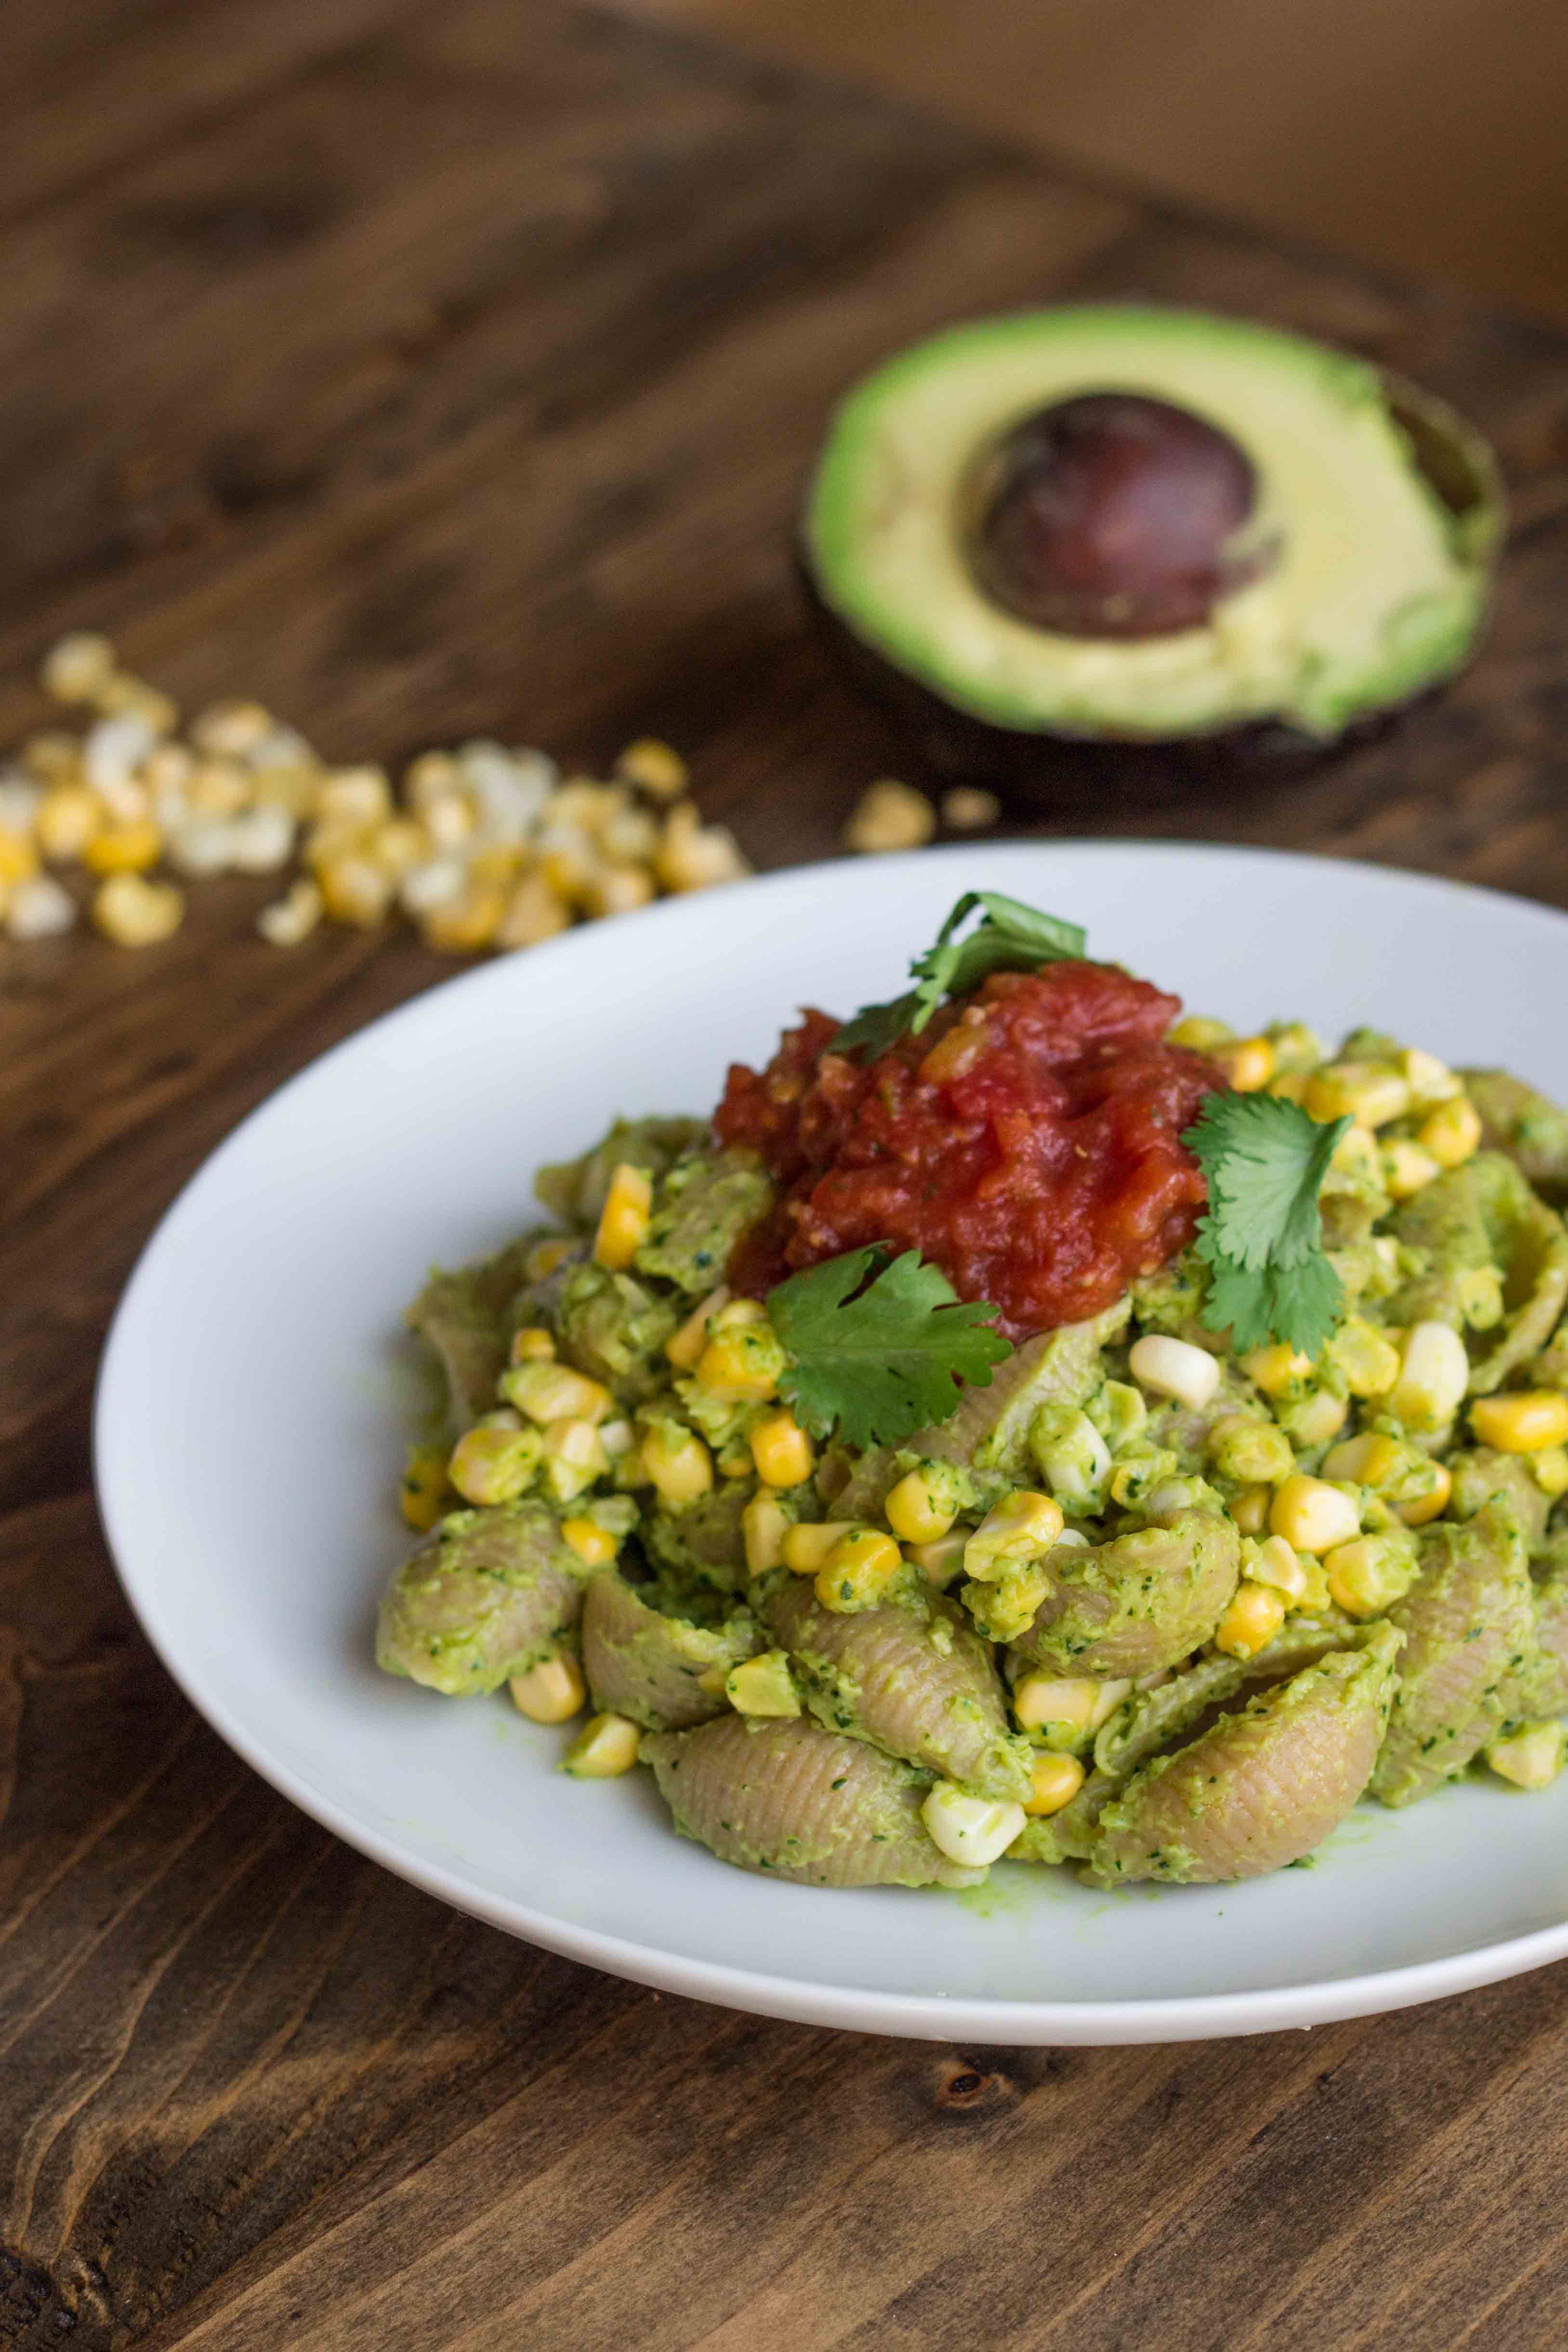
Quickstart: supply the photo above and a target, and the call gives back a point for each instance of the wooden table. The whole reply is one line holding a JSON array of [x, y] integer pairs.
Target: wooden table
[[434, 371]]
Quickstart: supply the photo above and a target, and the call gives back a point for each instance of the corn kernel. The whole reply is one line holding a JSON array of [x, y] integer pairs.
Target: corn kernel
[[1530, 1756], [75, 667], [1275, 1564], [423, 1492], [1250, 1621], [574, 1458], [782, 1450], [624, 1218], [1371, 1574], [805, 1547], [399, 845], [124, 849], [1064, 1701], [1406, 1170], [1367, 1361], [1201, 1036], [763, 1686], [1430, 1080], [970, 1831], [1549, 1468], [1174, 1368], [38, 909], [19, 858], [55, 757], [1250, 1509], [914, 1513], [968, 807], [764, 1524], [1417, 1509], [551, 1692], [231, 728], [68, 816], [680, 1466], [1524, 1424], [742, 1363], [548, 1391], [1276, 1367], [1248, 1063], [1371, 1093], [617, 890], [1434, 1374], [653, 768], [694, 857], [492, 1464], [1368, 1460], [1053, 1782], [293, 918], [594, 1546], [466, 924], [354, 890], [135, 913], [858, 1570], [605, 1747], [1451, 1133], [686, 1344], [939, 1562], [430, 774], [1289, 1086], [1313, 1515], [1296, 1046], [1314, 1419], [1257, 1451], [546, 1256], [1020, 1527], [531, 1345], [890, 816], [218, 788]]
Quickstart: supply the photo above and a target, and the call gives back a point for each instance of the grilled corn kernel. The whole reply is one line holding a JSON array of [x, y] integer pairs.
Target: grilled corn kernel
[[1530, 1756], [1406, 1170], [1250, 1509], [1549, 1468], [574, 1458], [1174, 1368], [1276, 1369], [490, 1465], [421, 1496], [890, 816], [124, 849], [75, 667], [1313, 1515], [136, 913], [1275, 1564], [653, 768], [532, 1345], [805, 1547], [1200, 1034], [782, 1450], [742, 1363], [1526, 1423], [1053, 1782], [594, 1546], [464, 924], [624, 1218], [1248, 1063], [1250, 1621], [763, 1685], [858, 1570], [1371, 1574], [605, 1747], [545, 1257], [679, 1465], [549, 1392], [551, 1692], [971, 1830], [1020, 1527], [687, 1344], [1434, 1374], [1067, 1702], [1367, 1361], [764, 1524], [914, 1514], [70, 816], [1256, 1452], [1451, 1133], [1372, 1093]]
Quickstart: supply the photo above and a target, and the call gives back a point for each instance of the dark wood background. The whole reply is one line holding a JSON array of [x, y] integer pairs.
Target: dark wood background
[[428, 371]]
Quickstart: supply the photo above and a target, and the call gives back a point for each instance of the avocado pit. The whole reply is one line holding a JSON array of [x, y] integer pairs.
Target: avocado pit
[[1115, 515]]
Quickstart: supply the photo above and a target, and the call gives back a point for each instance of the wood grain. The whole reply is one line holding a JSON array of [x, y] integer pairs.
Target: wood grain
[[440, 373]]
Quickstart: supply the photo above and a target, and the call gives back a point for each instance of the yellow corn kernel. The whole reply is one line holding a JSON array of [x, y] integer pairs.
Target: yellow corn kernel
[[764, 1525], [399, 845], [1023, 1525], [1313, 1515], [939, 1562], [1369, 1362], [1530, 1756], [124, 849], [546, 1256], [494, 869], [1257, 1452], [1370, 1575], [1549, 1468], [1372, 1093], [1289, 1086], [1250, 1621], [218, 788], [1434, 1374], [1419, 1508], [653, 768], [680, 1466], [594, 1546], [805, 1546], [421, 1496], [913, 1514], [494, 1462], [1430, 1080], [289, 920], [624, 1218], [1369, 1460], [18, 856], [605, 1747], [354, 890], [1276, 1564], [54, 757], [1314, 1419], [1526, 1423], [763, 1686], [532, 1345], [534, 912], [858, 1570], [968, 807], [1201, 1036], [782, 1450], [1276, 1367], [687, 1344], [548, 1391], [466, 923], [1248, 1063], [694, 857], [1174, 1368], [1053, 1782], [135, 913], [890, 816], [1406, 1170], [76, 666], [617, 890], [1069, 1701], [1250, 1509], [743, 1362], [70, 816], [574, 1458], [551, 1692], [1451, 1133]]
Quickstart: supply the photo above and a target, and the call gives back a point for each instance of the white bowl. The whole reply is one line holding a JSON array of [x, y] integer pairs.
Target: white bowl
[[251, 1421]]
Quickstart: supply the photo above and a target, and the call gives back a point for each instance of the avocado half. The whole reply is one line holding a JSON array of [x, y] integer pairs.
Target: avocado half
[[1166, 536]]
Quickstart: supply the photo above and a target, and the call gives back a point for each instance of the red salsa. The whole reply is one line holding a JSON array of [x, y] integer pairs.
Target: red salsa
[[1029, 1142]]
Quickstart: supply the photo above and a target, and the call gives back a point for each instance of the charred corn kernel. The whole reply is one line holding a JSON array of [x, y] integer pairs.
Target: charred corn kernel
[[70, 816], [1257, 1451], [1247, 1062], [76, 666], [291, 918], [782, 1450], [1451, 1133], [1020, 1527], [1406, 1170], [1174, 1368], [1053, 1781], [623, 1221], [534, 912], [804, 1548], [1065, 1701], [968, 807], [653, 768], [594, 1546], [1314, 1419], [939, 1562], [679, 1465], [1549, 1468], [763, 1686], [466, 924], [764, 1525], [1371, 1574], [686, 1345], [970, 1831], [1250, 1509], [1200, 1034], [914, 1513], [124, 849], [617, 890], [605, 1747], [574, 1458], [1276, 1367], [1526, 1423], [1289, 1086], [1531, 1755], [354, 891], [1311, 1515], [1369, 1460], [136, 913], [1274, 1563], [1430, 1080], [1416, 1508], [1372, 1093], [19, 858], [1252, 1619], [1434, 1374], [491, 1466], [742, 1363], [423, 1492], [532, 1345], [1367, 1361], [858, 1570], [548, 1391], [890, 816], [551, 1692]]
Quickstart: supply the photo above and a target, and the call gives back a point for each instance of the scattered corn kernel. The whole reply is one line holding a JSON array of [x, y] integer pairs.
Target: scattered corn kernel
[[1549, 1468], [858, 1570], [1371, 1574], [623, 1220], [694, 857], [1247, 1062], [914, 1514], [679, 1465], [1174, 1368], [1252, 1619], [1257, 1452], [68, 817], [1417, 1509], [686, 1345], [466, 924], [1276, 1367], [546, 1256], [293, 918], [653, 768], [743, 1361], [805, 1546], [970, 1831], [493, 1463], [1451, 1133], [1430, 1080], [1530, 1756], [763, 1685], [1406, 1170], [1250, 1509], [1311, 1515], [1289, 1086], [76, 666], [939, 1562], [532, 1344], [354, 890], [1372, 1093], [39, 910], [594, 1546], [1526, 1423], [1053, 1781], [1434, 1374], [136, 913], [968, 807], [547, 1391], [574, 1458], [1020, 1527], [231, 727], [1275, 1564], [1314, 1419], [1367, 1360], [124, 849], [782, 1450], [551, 1692], [1200, 1034], [605, 1747], [764, 1525], [890, 816], [421, 1495], [1067, 1702]]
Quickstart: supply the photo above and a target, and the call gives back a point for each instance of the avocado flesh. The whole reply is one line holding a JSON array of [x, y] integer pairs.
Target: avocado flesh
[[1378, 591]]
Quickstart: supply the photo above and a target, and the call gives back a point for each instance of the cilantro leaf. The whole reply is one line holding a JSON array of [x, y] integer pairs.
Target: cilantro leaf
[[880, 1358], [1265, 1160], [1010, 937]]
